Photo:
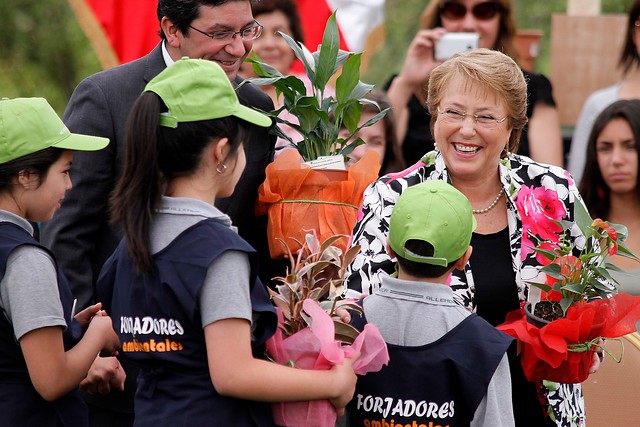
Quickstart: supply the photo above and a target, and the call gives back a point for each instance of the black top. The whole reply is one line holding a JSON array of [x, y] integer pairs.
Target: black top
[[496, 294], [419, 141]]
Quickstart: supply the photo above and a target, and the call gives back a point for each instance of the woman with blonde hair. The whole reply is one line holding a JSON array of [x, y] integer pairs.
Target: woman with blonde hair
[[493, 21]]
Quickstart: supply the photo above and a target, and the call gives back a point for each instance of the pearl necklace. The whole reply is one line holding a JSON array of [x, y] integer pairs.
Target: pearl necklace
[[488, 208]]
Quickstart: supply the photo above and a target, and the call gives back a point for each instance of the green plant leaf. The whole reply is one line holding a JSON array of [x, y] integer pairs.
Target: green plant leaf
[[351, 116], [349, 78], [345, 333], [553, 270], [261, 68], [582, 218], [542, 286], [565, 303], [328, 53], [360, 91], [577, 288], [307, 111], [302, 53]]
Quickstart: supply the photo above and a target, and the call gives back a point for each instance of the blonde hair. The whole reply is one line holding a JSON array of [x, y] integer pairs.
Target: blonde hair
[[493, 71], [506, 32]]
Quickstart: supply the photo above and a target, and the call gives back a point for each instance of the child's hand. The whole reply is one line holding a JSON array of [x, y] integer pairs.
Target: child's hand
[[85, 316], [105, 374], [101, 322], [345, 380]]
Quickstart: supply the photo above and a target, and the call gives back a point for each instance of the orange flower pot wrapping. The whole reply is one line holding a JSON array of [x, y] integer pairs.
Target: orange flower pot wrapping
[[299, 199], [546, 351]]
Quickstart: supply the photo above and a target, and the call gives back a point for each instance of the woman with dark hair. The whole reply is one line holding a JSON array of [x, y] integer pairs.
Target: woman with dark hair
[[493, 21], [275, 16], [610, 184], [627, 88]]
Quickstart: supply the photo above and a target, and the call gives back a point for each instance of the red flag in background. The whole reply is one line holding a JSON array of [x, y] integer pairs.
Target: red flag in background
[[119, 30], [123, 30]]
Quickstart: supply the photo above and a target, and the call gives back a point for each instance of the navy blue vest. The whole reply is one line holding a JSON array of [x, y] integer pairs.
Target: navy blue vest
[[439, 384], [159, 323], [20, 403]]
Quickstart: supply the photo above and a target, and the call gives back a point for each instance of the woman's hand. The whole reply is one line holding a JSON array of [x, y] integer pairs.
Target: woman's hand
[[414, 74], [419, 60], [598, 357]]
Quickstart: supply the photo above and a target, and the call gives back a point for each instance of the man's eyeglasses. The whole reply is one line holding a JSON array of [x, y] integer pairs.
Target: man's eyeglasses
[[246, 34], [483, 11], [452, 115]]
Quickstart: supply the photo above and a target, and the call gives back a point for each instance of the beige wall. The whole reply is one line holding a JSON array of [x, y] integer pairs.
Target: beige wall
[[584, 57]]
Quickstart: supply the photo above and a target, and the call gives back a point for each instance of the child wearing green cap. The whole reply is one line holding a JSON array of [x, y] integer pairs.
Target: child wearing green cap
[[447, 366], [182, 286], [46, 349]]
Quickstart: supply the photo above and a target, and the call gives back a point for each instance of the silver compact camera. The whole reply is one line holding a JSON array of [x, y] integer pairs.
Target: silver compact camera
[[452, 43]]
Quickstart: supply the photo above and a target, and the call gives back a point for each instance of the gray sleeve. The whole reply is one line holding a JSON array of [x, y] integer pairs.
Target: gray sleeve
[[225, 293], [496, 408], [29, 291]]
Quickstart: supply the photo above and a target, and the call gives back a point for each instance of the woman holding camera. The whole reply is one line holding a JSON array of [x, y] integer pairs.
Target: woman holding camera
[[493, 21]]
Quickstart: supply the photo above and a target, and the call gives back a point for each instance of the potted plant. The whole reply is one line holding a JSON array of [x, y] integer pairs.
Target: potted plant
[[580, 303], [301, 190], [311, 332]]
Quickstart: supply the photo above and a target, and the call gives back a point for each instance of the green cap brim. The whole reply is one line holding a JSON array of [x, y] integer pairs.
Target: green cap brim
[[78, 142], [252, 116]]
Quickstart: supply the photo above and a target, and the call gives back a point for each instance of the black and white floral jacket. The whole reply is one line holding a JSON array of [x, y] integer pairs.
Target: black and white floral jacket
[[372, 227]]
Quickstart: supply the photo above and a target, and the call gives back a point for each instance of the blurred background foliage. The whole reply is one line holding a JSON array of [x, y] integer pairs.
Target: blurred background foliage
[[44, 52]]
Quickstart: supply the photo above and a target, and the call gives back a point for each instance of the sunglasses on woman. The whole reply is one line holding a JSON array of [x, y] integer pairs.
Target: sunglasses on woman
[[483, 11]]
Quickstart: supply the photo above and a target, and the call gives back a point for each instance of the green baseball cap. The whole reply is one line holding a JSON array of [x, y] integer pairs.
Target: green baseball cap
[[434, 212], [28, 125], [197, 89]]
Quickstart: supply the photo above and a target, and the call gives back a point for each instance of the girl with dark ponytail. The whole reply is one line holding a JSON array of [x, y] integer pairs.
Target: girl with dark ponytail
[[182, 285]]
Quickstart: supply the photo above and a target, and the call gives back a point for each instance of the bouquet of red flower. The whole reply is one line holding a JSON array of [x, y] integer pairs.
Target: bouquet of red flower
[[580, 304], [311, 333]]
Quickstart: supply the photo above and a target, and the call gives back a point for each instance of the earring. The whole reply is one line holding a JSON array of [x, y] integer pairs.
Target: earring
[[224, 168]]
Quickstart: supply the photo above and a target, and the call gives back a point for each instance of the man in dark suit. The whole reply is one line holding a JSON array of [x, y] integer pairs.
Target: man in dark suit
[[80, 234]]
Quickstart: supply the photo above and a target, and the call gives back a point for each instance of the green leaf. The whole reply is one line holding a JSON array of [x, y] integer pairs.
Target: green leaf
[[565, 303], [552, 270], [360, 91], [349, 78], [577, 288], [328, 53], [306, 109], [542, 286], [351, 116], [261, 68], [582, 218], [343, 56], [303, 54], [345, 333]]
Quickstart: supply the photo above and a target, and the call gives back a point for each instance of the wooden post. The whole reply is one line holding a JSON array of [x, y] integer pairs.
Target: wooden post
[[94, 32], [584, 57]]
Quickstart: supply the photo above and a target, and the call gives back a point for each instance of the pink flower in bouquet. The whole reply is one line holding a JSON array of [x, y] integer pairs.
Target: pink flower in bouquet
[[539, 209], [577, 282]]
